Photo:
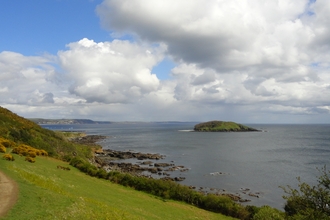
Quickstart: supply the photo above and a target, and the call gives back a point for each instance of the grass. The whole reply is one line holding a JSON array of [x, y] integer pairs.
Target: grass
[[46, 192]]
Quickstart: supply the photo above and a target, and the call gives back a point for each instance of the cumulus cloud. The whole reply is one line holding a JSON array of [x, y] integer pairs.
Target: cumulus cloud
[[111, 72], [217, 34], [271, 53], [271, 39], [27, 79]]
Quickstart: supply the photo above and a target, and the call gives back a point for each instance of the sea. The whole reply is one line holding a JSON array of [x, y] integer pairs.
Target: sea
[[253, 165]]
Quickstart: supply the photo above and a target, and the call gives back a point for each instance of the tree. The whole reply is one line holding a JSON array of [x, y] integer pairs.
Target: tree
[[309, 202]]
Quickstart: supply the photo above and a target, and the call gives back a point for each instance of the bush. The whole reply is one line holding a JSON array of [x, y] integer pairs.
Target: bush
[[30, 159], [43, 153], [8, 157], [26, 150], [267, 213], [2, 149], [7, 143], [309, 202], [32, 154]]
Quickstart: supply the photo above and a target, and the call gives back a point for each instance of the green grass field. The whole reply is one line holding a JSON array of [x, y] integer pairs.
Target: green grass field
[[46, 192]]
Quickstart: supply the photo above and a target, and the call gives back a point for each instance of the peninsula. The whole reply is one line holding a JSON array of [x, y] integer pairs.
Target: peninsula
[[222, 126]]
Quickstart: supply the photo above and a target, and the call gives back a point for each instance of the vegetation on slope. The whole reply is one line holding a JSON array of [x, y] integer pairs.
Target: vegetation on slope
[[46, 192], [22, 131], [221, 126]]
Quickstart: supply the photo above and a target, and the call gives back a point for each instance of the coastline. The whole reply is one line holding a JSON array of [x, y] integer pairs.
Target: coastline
[[149, 165]]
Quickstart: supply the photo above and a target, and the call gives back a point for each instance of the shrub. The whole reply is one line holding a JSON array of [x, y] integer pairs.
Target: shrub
[[309, 202], [43, 153], [30, 159], [26, 150], [7, 143], [252, 210], [8, 157], [32, 154], [267, 212], [2, 149]]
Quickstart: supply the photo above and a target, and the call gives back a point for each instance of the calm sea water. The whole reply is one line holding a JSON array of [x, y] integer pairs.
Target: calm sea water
[[259, 161]]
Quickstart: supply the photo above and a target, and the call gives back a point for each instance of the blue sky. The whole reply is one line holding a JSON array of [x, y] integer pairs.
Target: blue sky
[[127, 60], [36, 27]]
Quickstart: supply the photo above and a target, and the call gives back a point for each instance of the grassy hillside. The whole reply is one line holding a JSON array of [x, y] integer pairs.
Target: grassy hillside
[[21, 130], [46, 192], [222, 126]]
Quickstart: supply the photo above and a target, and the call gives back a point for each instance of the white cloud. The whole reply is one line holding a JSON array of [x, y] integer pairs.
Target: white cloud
[[110, 72], [217, 34], [237, 52], [27, 79]]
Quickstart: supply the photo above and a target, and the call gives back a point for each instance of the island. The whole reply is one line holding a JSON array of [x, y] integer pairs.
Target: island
[[222, 126]]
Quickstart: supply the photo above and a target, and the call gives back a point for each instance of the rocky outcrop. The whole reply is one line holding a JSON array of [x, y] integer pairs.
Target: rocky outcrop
[[112, 160], [128, 155]]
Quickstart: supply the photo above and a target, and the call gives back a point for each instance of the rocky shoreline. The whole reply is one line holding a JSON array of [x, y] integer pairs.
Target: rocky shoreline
[[90, 140], [145, 164], [148, 165]]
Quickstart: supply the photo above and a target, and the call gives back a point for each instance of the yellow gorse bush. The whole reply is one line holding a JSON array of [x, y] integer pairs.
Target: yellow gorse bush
[[29, 152], [4, 144], [26, 150], [30, 159], [8, 157], [7, 143]]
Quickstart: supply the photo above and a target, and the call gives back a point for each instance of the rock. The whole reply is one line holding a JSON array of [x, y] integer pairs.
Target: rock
[[253, 195], [163, 164], [179, 178], [244, 200], [129, 155]]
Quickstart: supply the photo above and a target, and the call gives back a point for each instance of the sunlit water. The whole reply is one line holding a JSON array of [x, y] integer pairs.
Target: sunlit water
[[259, 161]]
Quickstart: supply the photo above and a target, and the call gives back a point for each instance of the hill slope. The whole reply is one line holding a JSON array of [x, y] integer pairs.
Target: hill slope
[[23, 131], [46, 192]]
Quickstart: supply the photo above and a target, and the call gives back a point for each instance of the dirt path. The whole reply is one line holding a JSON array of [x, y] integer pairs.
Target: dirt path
[[8, 194]]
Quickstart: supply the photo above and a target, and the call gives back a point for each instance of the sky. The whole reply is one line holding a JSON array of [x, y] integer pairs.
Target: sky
[[247, 61]]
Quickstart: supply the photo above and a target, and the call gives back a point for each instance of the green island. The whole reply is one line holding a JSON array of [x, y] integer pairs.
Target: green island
[[222, 126], [57, 178]]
